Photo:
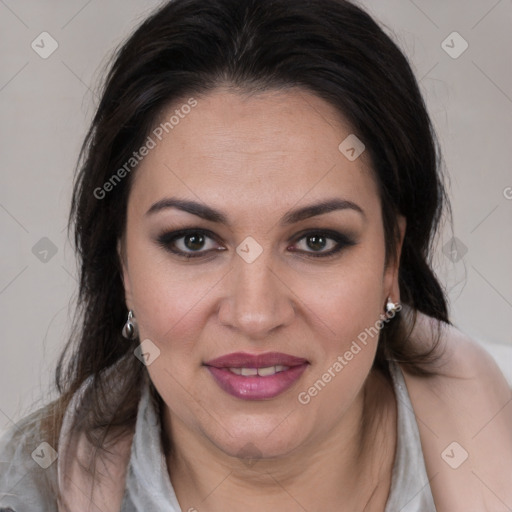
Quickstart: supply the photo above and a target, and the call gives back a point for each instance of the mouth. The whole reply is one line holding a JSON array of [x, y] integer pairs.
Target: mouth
[[262, 372], [256, 376]]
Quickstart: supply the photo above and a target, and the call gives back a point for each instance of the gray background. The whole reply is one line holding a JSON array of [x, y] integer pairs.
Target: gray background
[[46, 106]]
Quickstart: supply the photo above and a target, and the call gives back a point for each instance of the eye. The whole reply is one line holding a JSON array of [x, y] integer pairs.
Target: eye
[[195, 243], [318, 241], [188, 243]]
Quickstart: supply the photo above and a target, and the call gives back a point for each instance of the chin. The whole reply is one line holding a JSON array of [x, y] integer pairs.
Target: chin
[[259, 439]]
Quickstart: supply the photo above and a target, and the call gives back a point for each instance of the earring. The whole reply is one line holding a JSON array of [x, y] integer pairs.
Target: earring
[[391, 307], [130, 327]]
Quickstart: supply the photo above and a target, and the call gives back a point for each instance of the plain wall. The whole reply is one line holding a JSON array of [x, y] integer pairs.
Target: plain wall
[[46, 106]]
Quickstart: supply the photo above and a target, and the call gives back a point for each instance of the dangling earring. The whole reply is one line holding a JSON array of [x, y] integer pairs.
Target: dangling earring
[[391, 307], [130, 327]]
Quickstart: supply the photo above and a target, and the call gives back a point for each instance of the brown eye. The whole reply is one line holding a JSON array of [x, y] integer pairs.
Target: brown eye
[[316, 242], [190, 243], [194, 242]]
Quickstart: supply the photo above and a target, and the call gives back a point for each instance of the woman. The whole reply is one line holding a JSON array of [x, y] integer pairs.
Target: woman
[[260, 328]]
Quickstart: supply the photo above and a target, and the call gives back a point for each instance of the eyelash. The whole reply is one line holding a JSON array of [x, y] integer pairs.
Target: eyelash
[[166, 240]]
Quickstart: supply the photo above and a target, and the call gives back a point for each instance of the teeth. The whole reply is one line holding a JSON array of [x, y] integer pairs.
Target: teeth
[[270, 370], [262, 372], [246, 372]]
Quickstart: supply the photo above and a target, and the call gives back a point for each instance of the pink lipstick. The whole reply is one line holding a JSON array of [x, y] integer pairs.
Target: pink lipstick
[[256, 376]]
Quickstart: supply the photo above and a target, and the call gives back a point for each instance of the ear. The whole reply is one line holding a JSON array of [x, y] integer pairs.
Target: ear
[[121, 252], [391, 287]]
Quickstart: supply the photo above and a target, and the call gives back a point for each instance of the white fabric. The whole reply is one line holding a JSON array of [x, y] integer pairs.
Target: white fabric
[[147, 482], [410, 489]]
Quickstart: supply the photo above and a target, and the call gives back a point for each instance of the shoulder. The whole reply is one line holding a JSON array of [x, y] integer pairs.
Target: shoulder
[[464, 416], [462, 360], [28, 472], [468, 378]]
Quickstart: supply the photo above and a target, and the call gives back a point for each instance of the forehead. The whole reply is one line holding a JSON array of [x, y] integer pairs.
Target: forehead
[[242, 152]]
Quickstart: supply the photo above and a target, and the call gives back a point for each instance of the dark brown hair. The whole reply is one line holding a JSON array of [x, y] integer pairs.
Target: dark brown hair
[[331, 48]]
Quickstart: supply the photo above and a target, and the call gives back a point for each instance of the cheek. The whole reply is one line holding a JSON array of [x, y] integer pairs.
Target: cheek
[[167, 297], [346, 300], [170, 308], [349, 309]]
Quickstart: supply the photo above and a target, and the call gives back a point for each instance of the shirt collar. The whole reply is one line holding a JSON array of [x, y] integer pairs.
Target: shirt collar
[[148, 484]]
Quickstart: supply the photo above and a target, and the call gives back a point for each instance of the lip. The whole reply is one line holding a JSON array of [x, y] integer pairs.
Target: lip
[[257, 387]]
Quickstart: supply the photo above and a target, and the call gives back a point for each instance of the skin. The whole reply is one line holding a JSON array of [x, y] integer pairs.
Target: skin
[[255, 158]]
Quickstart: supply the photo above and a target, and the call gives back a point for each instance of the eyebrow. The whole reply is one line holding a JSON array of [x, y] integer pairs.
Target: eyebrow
[[210, 214]]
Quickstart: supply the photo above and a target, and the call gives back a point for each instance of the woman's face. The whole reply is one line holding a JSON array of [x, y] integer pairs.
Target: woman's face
[[270, 270]]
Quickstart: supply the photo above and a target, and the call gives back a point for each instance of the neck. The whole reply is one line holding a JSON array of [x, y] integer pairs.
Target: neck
[[348, 469]]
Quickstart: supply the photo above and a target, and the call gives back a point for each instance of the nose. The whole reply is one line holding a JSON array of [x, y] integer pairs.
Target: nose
[[258, 302]]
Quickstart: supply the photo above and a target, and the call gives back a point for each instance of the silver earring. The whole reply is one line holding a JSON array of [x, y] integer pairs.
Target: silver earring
[[130, 327], [391, 307]]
